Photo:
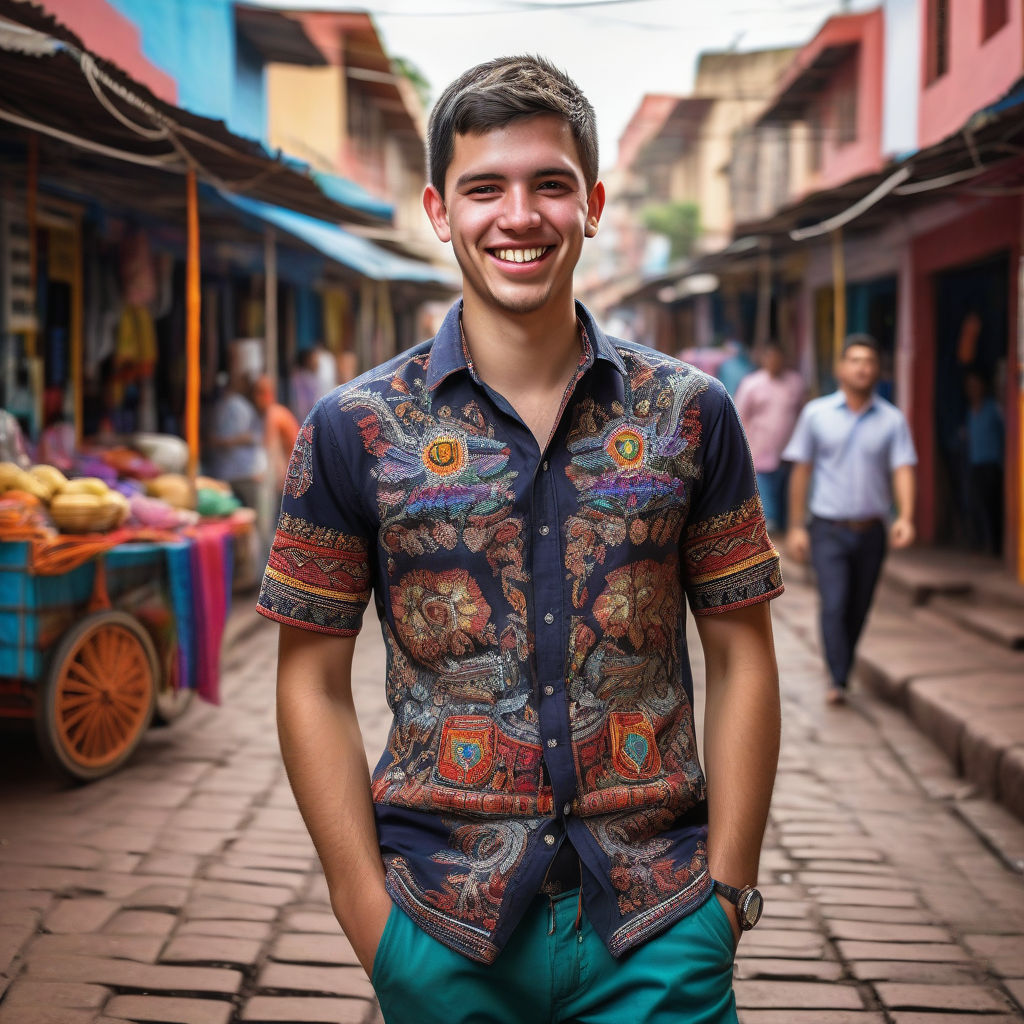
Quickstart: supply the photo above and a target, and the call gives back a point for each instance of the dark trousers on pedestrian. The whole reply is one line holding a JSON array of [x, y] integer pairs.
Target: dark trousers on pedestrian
[[847, 558]]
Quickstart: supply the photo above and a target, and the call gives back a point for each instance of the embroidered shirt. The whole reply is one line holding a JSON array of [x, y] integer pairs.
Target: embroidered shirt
[[853, 455], [532, 606]]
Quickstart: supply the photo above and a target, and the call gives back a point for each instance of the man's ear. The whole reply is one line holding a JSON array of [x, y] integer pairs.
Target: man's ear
[[595, 207], [433, 203]]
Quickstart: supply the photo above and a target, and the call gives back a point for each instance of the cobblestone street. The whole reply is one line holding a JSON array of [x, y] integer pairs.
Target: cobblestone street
[[184, 889]]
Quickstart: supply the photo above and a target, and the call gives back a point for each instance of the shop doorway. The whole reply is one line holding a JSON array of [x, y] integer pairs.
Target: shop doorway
[[972, 321]]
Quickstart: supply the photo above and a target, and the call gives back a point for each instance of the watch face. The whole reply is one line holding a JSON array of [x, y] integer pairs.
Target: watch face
[[750, 909]]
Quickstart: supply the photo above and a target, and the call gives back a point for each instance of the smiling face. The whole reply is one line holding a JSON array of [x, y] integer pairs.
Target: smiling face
[[516, 210]]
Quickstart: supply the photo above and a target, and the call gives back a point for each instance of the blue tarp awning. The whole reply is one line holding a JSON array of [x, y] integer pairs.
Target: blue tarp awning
[[342, 246]]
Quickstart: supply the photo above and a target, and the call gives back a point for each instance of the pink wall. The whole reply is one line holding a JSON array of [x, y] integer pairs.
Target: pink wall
[[979, 72], [110, 35], [864, 155]]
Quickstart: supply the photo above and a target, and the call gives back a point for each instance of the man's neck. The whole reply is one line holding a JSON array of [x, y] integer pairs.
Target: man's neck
[[857, 400], [517, 353]]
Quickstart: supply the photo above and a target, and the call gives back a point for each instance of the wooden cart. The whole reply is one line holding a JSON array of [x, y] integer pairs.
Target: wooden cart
[[89, 654]]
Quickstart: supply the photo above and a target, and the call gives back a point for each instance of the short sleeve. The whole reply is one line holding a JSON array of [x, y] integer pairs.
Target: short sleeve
[[728, 560], [800, 447], [902, 451], [318, 576]]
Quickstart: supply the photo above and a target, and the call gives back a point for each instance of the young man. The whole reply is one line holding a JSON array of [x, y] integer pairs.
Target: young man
[[859, 448], [529, 501], [768, 401]]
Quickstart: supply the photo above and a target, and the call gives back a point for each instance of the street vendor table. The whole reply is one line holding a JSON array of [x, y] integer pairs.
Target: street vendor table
[[101, 633]]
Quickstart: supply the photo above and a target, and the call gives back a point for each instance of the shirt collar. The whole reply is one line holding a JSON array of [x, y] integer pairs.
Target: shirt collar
[[448, 354], [839, 400]]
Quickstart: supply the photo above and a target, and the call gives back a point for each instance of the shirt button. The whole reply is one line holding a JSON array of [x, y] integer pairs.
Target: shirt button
[[549, 618], [544, 465], [552, 742], [545, 530], [549, 691], [567, 809], [549, 839]]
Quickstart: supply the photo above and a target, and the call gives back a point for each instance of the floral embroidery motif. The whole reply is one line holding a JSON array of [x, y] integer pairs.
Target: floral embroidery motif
[[441, 616], [299, 475]]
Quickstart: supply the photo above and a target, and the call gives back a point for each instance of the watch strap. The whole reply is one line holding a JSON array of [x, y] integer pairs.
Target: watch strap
[[731, 893]]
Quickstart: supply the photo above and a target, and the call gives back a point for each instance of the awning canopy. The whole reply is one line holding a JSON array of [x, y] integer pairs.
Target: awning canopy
[[349, 250], [92, 115], [278, 37]]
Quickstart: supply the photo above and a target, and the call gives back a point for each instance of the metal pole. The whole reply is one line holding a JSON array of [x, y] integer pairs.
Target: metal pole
[[838, 293], [192, 323], [270, 304]]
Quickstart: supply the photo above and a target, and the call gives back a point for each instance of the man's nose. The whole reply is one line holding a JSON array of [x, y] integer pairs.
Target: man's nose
[[517, 211]]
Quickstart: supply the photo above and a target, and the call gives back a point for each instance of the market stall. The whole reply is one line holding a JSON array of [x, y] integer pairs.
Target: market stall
[[112, 606]]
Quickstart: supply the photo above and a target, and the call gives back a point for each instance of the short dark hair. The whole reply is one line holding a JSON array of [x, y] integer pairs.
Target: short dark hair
[[493, 94], [862, 341]]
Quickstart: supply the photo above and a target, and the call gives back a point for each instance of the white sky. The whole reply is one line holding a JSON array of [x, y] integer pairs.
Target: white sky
[[616, 50]]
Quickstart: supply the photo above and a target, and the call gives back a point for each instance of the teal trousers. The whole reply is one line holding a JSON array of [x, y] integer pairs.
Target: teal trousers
[[555, 970]]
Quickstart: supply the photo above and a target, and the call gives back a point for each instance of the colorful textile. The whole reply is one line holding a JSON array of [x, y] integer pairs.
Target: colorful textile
[[211, 554], [533, 607], [556, 969]]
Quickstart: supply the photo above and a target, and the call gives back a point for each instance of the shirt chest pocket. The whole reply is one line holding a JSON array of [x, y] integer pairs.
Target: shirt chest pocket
[[466, 754]]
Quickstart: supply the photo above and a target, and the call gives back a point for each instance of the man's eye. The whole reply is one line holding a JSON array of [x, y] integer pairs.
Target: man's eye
[[549, 186], [483, 190]]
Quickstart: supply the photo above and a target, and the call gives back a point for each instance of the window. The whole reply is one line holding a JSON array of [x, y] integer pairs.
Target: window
[[938, 39], [815, 141], [846, 113], [994, 15]]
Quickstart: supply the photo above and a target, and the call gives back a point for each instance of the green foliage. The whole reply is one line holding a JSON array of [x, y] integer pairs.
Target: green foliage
[[407, 69], [678, 221]]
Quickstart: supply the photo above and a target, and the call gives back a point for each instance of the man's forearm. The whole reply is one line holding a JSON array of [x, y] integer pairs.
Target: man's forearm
[[904, 491], [799, 481], [323, 753], [741, 741]]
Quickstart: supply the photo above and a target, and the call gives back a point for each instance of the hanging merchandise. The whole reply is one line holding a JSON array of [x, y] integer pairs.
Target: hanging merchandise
[[138, 275]]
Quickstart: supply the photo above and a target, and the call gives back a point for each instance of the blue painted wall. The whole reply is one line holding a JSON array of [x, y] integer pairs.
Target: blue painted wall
[[219, 75]]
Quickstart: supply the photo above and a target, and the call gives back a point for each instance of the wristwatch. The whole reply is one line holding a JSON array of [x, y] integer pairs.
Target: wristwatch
[[748, 902]]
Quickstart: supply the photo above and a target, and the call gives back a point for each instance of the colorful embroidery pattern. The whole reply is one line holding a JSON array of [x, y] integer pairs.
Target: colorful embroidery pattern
[[299, 476], [731, 561], [316, 577], [533, 612]]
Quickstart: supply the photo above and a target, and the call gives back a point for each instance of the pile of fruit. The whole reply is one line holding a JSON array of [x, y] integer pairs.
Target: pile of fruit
[[83, 505]]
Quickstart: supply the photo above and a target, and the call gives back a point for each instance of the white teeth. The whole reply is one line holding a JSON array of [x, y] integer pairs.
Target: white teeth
[[521, 255]]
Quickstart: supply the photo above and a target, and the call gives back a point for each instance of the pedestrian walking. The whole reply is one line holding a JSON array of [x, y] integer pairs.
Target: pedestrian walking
[[859, 450], [768, 401], [530, 502], [280, 432]]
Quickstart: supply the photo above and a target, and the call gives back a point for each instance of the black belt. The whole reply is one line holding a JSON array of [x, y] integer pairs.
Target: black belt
[[857, 525], [564, 871]]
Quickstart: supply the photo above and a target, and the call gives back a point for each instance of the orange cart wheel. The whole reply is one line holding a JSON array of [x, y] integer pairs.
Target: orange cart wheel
[[98, 698]]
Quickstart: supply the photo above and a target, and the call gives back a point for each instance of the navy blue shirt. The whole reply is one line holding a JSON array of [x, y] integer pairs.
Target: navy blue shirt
[[532, 606]]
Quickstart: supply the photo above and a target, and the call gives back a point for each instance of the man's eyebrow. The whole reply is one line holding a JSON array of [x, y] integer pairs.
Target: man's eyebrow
[[543, 172]]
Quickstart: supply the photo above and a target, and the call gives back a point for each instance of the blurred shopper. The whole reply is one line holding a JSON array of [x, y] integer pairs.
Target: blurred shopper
[[280, 430], [768, 401], [859, 450], [235, 442], [518, 487], [986, 439], [304, 385], [736, 366]]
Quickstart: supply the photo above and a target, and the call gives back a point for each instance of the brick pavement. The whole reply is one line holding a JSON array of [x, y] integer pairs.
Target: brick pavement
[[184, 889]]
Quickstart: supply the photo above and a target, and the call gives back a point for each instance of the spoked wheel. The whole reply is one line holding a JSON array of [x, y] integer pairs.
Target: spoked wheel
[[98, 698]]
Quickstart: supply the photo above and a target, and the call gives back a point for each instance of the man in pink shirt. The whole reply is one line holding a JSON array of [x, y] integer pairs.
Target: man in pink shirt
[[769, 401]]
